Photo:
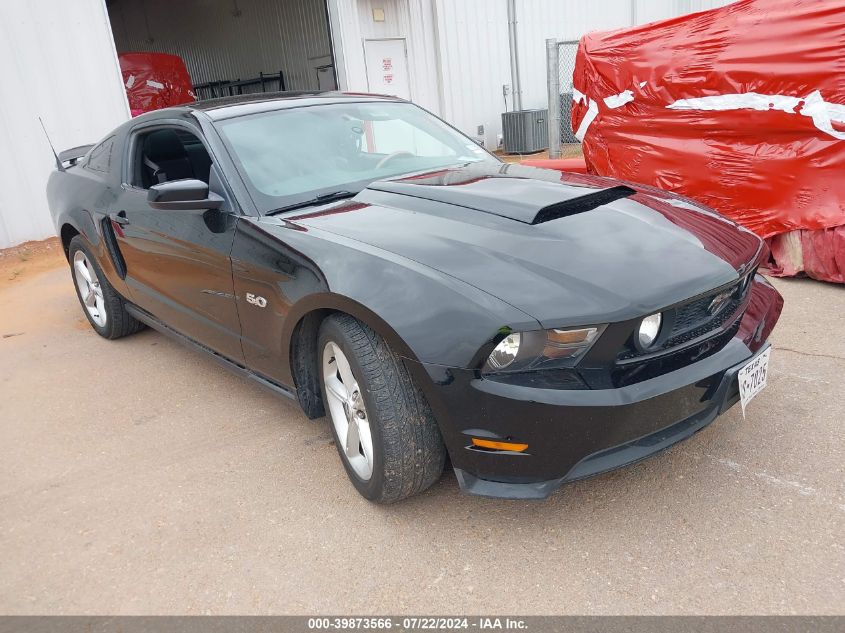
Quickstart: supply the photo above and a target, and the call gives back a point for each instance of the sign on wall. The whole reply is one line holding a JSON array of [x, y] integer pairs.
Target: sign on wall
[[387, 67]]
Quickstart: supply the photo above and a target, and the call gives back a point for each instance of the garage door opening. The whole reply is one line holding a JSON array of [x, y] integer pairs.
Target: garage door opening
[[232, 47]]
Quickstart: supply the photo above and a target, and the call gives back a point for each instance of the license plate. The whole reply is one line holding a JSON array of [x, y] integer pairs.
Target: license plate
[[752, 378]]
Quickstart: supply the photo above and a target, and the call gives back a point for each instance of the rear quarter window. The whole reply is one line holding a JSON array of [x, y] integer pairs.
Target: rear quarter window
[[100, 158]]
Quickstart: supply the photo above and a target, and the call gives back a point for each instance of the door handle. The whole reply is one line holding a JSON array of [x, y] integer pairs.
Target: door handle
[[119, 218]]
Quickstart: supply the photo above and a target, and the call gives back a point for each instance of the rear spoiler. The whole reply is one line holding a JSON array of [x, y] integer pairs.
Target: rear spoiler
[[73, 154]]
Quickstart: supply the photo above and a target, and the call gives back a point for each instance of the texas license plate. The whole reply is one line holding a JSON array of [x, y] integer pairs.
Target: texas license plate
[[752, 378]]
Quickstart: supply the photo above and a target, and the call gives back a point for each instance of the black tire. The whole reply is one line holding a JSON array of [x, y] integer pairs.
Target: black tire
[[118, 322], [408, 449]]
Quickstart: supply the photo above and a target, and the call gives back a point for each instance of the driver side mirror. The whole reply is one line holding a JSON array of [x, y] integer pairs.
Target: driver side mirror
[[183, 195]]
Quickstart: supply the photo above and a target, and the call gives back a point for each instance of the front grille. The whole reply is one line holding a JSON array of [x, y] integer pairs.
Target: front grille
[[697, 314], [696, 319], [702, 327]]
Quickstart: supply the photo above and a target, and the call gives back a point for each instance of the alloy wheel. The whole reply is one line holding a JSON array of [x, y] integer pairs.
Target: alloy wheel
[[347, 411], [89, 288]]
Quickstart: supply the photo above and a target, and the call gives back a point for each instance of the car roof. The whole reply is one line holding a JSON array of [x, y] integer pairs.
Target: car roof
[[239, 105]]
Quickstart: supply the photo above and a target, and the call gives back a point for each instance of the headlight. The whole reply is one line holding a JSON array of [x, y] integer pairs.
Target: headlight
[[648, 330], [543, 349], [505, 352]]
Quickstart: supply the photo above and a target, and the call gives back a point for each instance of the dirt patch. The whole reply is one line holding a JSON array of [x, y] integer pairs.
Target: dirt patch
[[515, 158], [81, 323], [25, 260]]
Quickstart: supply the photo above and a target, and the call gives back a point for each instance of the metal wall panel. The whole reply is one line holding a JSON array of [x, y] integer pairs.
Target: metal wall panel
[[472, 38], [651, 10], [57, 61], [538, 20], [226, 40], [457, 54], [412, 20]]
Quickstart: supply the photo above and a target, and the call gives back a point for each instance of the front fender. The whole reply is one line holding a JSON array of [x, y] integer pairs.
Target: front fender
[[425, 315], [328, 301]]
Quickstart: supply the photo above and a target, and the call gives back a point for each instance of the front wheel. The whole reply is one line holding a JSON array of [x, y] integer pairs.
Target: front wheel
[[383, 427]]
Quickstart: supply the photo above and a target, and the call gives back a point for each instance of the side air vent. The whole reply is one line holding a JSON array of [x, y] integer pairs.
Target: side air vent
[[111, 245], [581, 204]]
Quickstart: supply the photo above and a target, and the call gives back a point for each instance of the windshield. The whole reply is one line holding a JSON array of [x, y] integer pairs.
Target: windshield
[[295, 155]]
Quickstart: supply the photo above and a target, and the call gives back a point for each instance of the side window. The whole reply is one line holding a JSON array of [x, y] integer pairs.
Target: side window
[[167, 154], [100, 157]]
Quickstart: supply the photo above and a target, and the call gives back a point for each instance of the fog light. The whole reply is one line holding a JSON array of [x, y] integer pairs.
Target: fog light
[[648, 330]]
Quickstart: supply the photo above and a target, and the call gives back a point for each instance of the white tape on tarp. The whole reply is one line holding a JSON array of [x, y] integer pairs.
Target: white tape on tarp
[[613, 101], [155, 84], [740, 101], [814, 106], [823, 113], [589, 116], [616, 101], [131, 81]]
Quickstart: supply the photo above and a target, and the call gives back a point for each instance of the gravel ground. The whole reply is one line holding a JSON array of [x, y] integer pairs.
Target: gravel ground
[[138, 477]]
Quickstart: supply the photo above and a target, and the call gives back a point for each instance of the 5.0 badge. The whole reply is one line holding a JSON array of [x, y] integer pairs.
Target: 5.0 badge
[[256, 300]]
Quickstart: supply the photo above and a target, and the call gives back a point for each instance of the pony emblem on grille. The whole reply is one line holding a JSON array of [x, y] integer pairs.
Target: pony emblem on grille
[[719, 302]]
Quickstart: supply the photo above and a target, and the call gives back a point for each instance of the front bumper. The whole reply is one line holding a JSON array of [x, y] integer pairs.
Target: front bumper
[[572, 434]]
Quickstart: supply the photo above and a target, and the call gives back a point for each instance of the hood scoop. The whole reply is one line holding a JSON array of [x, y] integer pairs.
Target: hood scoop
[[582, 203], [530, 196]]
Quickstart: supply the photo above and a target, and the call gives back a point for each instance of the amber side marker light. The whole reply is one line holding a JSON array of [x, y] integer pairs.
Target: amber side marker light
[[499, 446]]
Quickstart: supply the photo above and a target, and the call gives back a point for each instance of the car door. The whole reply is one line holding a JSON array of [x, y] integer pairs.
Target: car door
[[177, 262]]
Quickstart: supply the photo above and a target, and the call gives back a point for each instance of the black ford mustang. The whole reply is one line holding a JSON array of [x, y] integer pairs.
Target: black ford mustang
[[358, 254]]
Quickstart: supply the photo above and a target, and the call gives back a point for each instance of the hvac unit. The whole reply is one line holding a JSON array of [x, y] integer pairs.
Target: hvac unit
[[525, 131]]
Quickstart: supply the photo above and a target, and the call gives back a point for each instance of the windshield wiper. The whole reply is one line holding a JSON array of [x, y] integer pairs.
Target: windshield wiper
[[325, 197]]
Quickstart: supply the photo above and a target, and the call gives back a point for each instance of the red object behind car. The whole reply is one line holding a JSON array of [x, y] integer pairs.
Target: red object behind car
[[741, 108], [154, 81], [572, 165]]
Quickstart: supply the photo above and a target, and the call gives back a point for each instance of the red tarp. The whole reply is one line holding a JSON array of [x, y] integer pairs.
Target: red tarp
[[154, 81], [741, 108]]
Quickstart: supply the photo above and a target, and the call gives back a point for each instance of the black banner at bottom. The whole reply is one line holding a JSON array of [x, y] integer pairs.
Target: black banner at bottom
[[526, 624]]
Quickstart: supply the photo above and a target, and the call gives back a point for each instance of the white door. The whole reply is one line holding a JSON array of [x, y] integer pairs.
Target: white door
[[387, 67]]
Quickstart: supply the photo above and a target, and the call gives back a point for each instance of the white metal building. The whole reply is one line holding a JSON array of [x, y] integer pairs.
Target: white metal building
[[58, 61]]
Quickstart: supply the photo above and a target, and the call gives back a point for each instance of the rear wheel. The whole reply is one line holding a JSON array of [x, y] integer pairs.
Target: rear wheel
[[104, 308], [383, 427]]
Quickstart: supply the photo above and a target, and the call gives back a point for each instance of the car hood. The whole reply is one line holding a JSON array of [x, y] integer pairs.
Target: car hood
[[526, 236]]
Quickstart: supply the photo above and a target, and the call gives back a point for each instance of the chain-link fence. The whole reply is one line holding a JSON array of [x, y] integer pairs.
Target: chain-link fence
[[560, 66]]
